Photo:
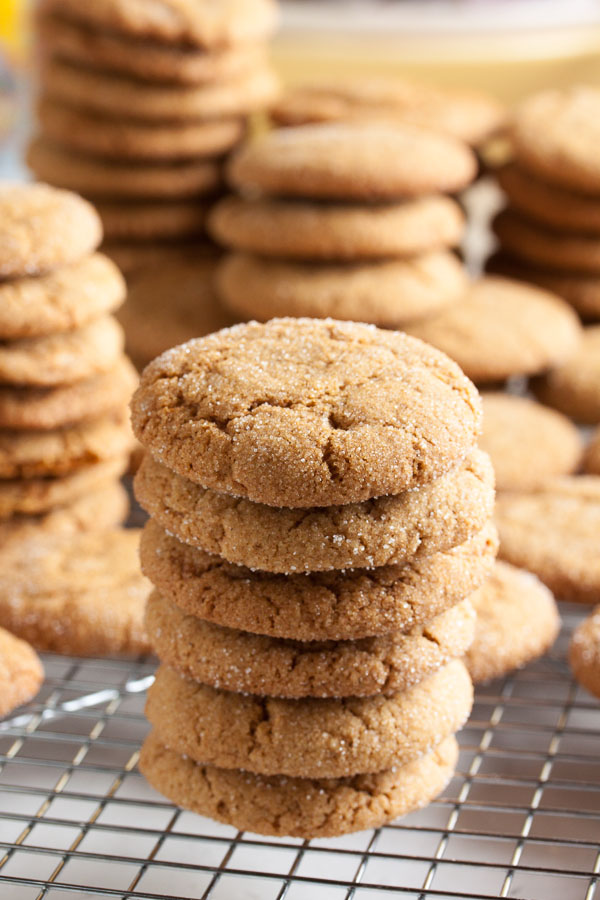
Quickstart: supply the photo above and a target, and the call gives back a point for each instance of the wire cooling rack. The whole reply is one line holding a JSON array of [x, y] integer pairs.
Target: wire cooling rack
[[520, 819]]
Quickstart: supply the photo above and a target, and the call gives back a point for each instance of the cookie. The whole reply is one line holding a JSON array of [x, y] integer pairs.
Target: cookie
[[559, 251], [46, 409], [134, 257], [553, 532], [21, 672], [591, 459], [117, 96], [80, 594], [550, 205], [308, 738], [62, 358], [349, 232], [100, 178], [503, 328], [256, 664], [62, 300], [517, 621], [387, 294], [555, 135], [347, 161], [470, 116], [527, 442], [355, 413], [42, 228], [299, 807], [321, 606], [574, 387], [123, 139], [170, 303], [584, 653], [170, 220]]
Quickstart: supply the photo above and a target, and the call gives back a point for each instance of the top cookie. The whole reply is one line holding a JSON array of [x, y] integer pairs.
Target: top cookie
[[301, 412], [42, 227], [353, 161]]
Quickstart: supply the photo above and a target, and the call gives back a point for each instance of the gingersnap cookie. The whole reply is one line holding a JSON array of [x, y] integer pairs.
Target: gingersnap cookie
[[297, 229], [81, 594], [384, 531], [503, 328], [21, 672], [527, 442], [355, 413], [300, 807], [123, 139], [553, 532], [321, 606], [62, 358], [555, 135], [134, 257], [536, 244], [167, 219], [352, 161], [517, 621], [591, 458], [308, 738], [43, 228], [584, 653], [552, 206], [574, 387], [61, 300]]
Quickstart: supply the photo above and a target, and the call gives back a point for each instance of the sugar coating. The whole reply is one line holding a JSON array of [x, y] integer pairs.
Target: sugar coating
[[574, 387], [584, 653], [21, 672]]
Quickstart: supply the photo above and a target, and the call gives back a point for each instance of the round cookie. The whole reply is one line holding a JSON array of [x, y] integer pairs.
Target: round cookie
[[169, 220], [553, 532], [43, 228], [79, 594], [346, 161], [555, 135], [355, 413], [62, 358], [322, 606], [21, 672], [517, 621], [45, 409], [299, 807], [574, 387], [503, 328], [527, 443], [387, 294], [63, 300], [548, 204], [591, 458], [557, 250], [390, 530], [99, 178], [308, 738], [349, 232], [122, 139], [134, 257], [255, 664], [584, 653]]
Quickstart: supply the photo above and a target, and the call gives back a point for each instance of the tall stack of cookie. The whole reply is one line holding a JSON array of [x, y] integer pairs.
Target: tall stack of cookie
[[138, 106], [320, 516], [65, 438]]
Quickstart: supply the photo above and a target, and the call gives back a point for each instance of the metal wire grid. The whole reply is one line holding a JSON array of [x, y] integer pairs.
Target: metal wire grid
[[521, 819]]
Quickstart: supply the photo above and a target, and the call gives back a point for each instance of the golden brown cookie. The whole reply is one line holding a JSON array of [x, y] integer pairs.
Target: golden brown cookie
[[62, 300], [134, 257], [141, 221], [42, 228], [321, 606], [553, 532], [574, 387], [387, 294], [354, 413], [591, 459], [353, 161], [559, 251], [298, 806], [517, 621], [62, 358], [349, 232], [503, 328], [21, 672], [527, 442], [308, 738], [552, 206], [80, 594], [584, 653]]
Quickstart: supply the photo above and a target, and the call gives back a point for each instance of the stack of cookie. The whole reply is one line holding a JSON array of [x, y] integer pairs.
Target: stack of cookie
[[64, 381], [320, 516], [138, 107], [348, 220]]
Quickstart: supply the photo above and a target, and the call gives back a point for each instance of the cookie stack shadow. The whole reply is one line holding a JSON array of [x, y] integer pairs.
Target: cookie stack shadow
[[316, 530]]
